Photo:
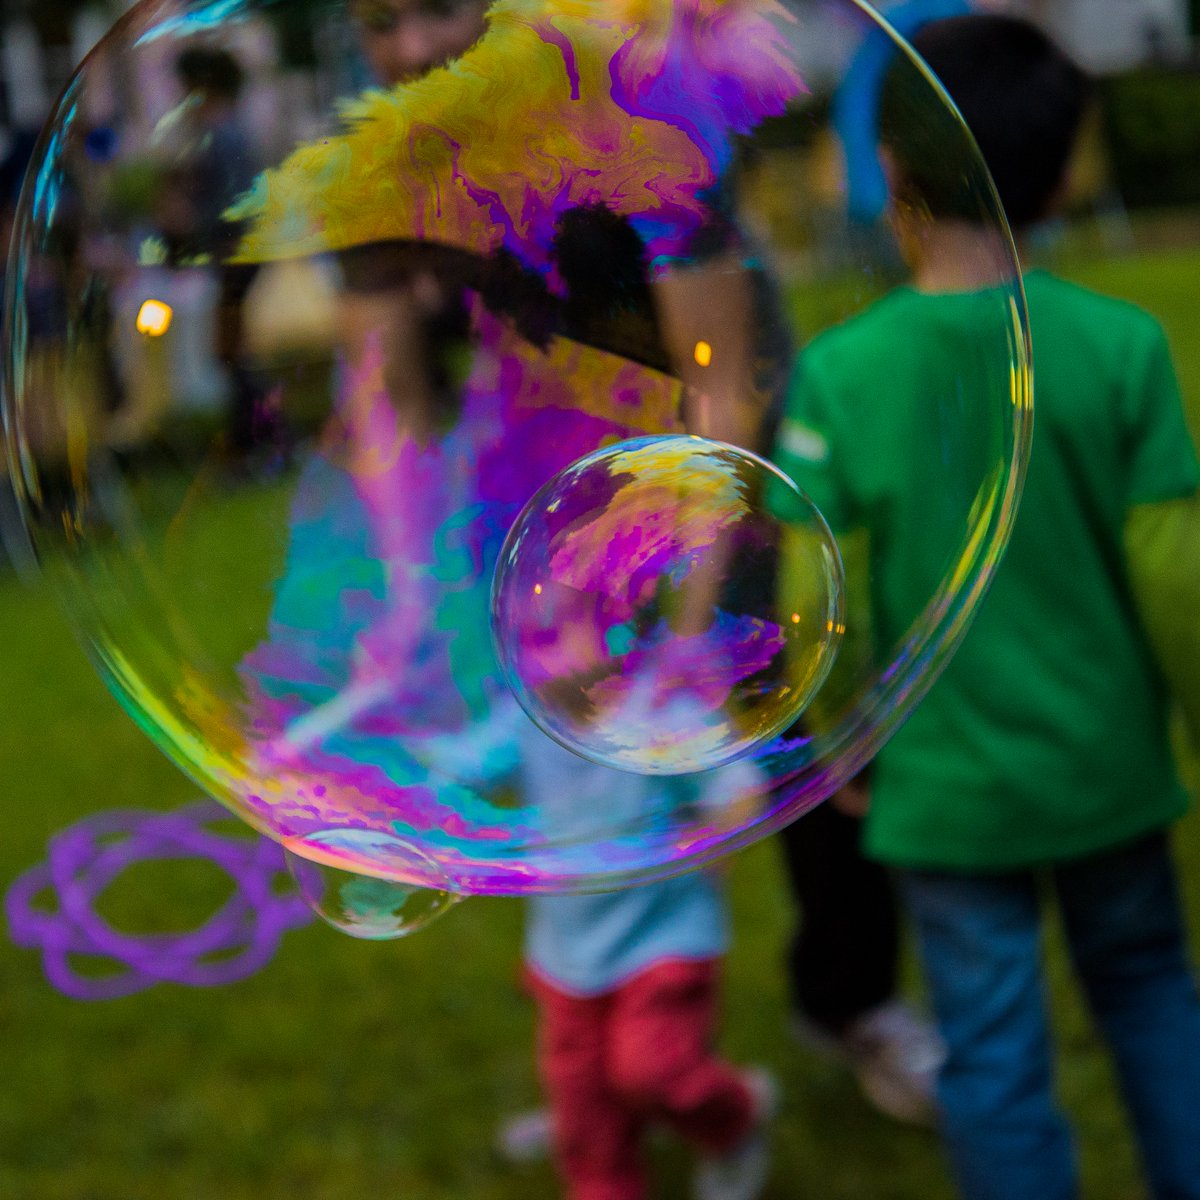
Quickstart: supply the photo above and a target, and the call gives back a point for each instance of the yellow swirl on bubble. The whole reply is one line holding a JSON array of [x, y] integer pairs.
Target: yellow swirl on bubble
[[454, 156]]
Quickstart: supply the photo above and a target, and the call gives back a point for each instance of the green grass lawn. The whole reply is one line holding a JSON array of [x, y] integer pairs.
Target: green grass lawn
[[347, 1070]]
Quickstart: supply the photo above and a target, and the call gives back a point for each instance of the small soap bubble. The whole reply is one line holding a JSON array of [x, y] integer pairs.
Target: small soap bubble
[[636, 611], [366, 906]]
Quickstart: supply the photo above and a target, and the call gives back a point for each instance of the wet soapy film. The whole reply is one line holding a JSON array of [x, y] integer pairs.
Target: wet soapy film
[[478, 452]]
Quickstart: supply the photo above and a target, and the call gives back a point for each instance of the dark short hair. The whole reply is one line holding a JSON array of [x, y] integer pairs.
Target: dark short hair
[[211, 70], [1022, 97]]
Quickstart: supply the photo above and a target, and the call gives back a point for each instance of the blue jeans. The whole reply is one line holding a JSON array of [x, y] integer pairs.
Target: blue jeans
[[980, 941]]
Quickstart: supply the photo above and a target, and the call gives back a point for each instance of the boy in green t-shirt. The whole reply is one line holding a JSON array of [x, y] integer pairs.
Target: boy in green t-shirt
[[1041, 756]]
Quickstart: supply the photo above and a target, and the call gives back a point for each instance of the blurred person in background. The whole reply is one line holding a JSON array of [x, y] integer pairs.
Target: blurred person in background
[[843, 961], [217, 163], [16, 149], [1039, 763], [404, 39]]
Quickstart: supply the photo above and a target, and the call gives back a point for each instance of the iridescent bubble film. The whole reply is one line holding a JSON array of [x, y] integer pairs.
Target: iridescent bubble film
[[636, 611], [300, 319]]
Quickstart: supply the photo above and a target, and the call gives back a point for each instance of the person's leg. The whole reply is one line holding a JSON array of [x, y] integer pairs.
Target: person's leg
[[980, 943], [234, 283], [842, 965], [842, 958], [661, 1058], [597, 1138], [1125, 930]]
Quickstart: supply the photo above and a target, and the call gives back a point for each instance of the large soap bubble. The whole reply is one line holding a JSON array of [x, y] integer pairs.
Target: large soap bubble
[[300, 319]]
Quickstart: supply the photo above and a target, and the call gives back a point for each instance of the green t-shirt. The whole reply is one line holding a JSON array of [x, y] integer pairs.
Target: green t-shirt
[[1046, 735]]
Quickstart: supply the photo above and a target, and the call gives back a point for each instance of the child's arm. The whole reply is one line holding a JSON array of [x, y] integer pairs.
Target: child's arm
[[1162, 546], [1162, 521]]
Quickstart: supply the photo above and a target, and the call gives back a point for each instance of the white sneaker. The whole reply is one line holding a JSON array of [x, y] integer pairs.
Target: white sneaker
[[741, 1173], [527, 1137], [894, 1053]]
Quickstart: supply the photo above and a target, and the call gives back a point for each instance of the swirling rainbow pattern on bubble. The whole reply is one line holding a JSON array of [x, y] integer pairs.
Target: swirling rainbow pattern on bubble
[[633, 105], [374, 712], [635, 613]]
